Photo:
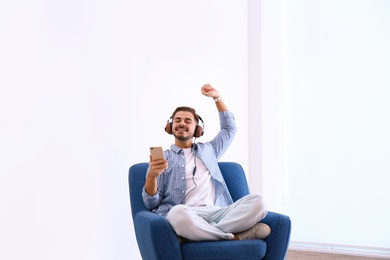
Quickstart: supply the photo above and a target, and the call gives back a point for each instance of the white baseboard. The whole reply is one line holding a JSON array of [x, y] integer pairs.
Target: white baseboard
[[309, 255]]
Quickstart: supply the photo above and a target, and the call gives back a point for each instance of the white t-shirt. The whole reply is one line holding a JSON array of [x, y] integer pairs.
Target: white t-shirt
[[200, 190]]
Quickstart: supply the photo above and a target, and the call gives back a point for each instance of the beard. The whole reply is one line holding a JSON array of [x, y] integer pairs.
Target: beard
[[182, 137]]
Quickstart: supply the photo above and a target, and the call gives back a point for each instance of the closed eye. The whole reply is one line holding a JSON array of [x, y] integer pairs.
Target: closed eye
[[186, 120]]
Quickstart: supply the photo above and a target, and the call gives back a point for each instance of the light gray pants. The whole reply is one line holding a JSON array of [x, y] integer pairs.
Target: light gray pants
[[216, 223]]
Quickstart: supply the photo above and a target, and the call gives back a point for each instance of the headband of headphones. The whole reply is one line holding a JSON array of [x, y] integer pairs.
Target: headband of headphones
[[198, 129]]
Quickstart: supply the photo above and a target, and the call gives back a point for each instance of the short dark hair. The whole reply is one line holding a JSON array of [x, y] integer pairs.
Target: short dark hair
[[188, 109]]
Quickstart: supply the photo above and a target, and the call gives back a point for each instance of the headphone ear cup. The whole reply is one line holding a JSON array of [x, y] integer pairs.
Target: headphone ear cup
[[198, 131], [168, 127]]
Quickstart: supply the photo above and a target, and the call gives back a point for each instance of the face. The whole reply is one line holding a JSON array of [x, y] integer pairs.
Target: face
[[183, 125]]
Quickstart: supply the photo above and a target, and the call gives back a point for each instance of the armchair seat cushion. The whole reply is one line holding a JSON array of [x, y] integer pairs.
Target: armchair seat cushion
[[238, 249]]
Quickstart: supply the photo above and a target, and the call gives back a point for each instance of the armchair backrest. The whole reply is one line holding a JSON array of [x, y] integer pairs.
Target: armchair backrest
[[232, 172], [137, 177], [235, 179]]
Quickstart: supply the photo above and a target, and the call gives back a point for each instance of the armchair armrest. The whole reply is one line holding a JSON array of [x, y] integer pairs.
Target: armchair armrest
[[278, 240], [156, 237]]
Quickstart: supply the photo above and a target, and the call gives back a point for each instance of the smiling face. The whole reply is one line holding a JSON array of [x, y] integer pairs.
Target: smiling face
[[183, 126]]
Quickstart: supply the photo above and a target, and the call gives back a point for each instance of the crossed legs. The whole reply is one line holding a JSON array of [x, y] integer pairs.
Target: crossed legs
[[215, 223]]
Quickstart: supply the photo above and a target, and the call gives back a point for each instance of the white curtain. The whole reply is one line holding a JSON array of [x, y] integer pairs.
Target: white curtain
[[326, 121]]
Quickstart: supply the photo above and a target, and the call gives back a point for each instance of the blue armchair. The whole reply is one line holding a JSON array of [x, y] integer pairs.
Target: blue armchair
[[157, 240]]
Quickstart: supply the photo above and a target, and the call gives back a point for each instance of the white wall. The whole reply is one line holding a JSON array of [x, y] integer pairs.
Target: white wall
[[85, 88]]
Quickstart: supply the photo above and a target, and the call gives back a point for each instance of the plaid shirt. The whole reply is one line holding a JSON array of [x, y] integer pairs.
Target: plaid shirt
[[171, 183]]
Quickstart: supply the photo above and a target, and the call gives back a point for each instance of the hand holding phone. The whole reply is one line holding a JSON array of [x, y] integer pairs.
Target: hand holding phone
[[157, 164]]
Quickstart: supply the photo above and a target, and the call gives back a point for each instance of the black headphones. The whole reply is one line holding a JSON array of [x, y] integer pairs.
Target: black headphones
[[198, 129]]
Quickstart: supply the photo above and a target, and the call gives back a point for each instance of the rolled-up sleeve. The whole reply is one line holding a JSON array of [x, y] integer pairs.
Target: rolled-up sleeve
[[150, 201], [226, 134]]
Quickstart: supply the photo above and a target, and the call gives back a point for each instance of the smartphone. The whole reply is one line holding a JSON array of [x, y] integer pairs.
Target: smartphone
[[157, 153]]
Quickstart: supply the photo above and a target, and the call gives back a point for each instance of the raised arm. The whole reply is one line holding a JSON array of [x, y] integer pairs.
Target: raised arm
[[209, 91]]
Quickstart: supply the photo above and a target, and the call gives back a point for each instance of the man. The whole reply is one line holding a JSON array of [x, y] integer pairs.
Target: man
[[188, 188]]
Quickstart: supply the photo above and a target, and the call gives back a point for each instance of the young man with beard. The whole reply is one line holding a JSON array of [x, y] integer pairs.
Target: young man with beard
[[188, 188]]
